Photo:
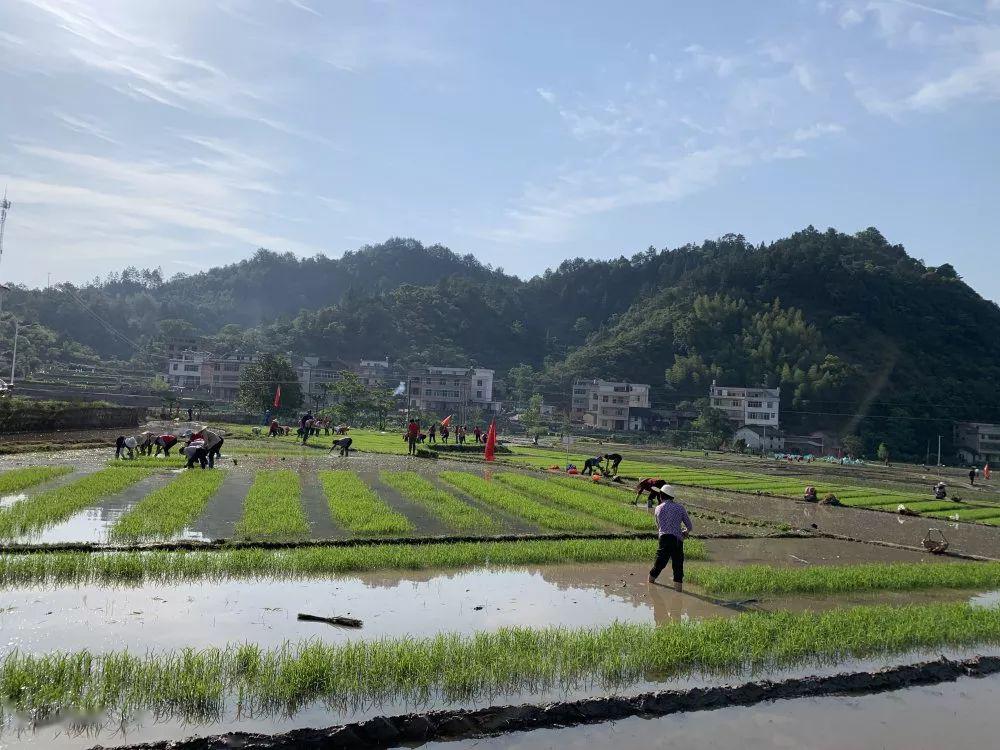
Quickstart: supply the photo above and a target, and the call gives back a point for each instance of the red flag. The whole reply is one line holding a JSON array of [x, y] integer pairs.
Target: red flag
[[986, 471], [277, 398], [491, 440], [447, 420]]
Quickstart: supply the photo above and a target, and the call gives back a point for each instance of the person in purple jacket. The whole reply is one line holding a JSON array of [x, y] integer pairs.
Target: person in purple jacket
[[670, 515]]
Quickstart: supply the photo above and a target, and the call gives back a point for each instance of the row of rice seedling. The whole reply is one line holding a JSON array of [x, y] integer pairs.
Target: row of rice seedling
[[175, 460], [170, 509], [58, 504], [197, 683], [589, 504], [358, 508], [965, 513], [449, 509], [273, 507], [517, 504], [55, 568], [821, 579], [16, 480]]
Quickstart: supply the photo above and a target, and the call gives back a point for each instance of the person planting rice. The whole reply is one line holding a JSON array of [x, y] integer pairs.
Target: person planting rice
[[670, 516], [611, 467], [647, 485], [591, 464], [165, 443], [344, 444], [146, 443], [195, 451], [212, 444], [125, 444]]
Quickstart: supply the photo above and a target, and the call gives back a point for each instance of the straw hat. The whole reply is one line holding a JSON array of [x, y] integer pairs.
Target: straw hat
[[666, 490]]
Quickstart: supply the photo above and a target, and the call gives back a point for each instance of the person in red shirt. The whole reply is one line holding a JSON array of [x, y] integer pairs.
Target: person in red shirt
[[647, 485], [478, 433], [165, 443], [412, 433]]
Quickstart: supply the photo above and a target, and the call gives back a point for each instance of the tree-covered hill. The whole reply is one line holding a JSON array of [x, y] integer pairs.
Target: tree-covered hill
[[847, 325]]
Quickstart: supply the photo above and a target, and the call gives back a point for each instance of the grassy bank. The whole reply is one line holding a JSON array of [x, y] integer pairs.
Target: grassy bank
[[198, 683], [761, 579], [311, 562], [56, 505], [168, 510], [273, 507], [451, 511], [503, 497]]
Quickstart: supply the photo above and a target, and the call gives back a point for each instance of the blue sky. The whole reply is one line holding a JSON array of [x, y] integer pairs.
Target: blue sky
[[187, 133]]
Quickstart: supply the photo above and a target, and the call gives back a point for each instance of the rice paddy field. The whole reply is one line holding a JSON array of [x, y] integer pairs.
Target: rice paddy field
[[141, 601]]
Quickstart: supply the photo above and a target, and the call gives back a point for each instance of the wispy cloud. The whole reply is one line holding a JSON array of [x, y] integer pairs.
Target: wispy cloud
[[303, 7], [546, 95], [818, 130], [84, 125]]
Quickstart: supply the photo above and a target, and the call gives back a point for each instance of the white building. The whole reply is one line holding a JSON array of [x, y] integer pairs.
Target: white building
[[184, 368], [606, 405], [747, 405], [451, 390], [760, 438], [977, 442]]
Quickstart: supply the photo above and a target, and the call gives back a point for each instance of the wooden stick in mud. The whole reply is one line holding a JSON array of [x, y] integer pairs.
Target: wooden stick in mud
[[347, 622]]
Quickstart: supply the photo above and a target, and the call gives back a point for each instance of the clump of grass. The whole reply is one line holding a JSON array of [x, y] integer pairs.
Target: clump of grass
[[169, 509], [273, 507], [194, 683], [762, 579], [310, 562], [55, 505], [587, 503], [356, 506], [517, 504], [16, 480], [452, 511]]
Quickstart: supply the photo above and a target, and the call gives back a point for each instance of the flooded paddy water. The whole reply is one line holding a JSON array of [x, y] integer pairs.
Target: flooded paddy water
[[164, 617], [958, 715]]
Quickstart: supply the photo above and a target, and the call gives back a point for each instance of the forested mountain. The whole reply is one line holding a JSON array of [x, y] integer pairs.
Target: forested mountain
[[847, 325]]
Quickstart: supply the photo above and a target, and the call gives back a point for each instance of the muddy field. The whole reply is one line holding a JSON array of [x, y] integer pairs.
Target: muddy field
[[39, 618]]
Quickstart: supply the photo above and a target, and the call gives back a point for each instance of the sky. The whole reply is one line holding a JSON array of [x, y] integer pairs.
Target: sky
[[184, 134]]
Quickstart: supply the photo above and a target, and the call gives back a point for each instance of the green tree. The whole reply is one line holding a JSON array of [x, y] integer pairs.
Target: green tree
[[381, 402], [853, 445], [349, 395], [531, 420], [883, 453], [711, 428], [260, 379]]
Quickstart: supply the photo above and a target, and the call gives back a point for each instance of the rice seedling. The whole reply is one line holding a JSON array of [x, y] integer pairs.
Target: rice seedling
[[196, 684], [517, 504], [273, 507], [169, 509], [311, 562], [965, 513], [16, 480], [175, 460], [452, 511], [761, 579], [58, 504], [590, 504], [357, 507]]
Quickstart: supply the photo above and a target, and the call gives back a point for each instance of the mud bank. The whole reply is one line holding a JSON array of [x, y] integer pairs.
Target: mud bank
[[388, 732]]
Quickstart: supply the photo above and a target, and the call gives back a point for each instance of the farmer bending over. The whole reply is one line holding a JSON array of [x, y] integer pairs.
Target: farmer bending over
[[344, 444], [613, 459], [195, 451], [669, 517], [647, 485], [165, 443], [123, 444], [592, 463]]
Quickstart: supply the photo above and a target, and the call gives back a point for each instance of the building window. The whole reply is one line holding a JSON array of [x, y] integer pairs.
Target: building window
[[604, 399], [479, 394], [479, 383]]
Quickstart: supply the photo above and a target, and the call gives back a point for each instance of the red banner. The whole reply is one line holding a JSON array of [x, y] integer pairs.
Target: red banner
[[491, 440], [277, 398]]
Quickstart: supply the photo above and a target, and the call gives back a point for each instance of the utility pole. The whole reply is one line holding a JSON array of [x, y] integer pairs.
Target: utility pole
[[4, 207], [13, 358], [939, 450]]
